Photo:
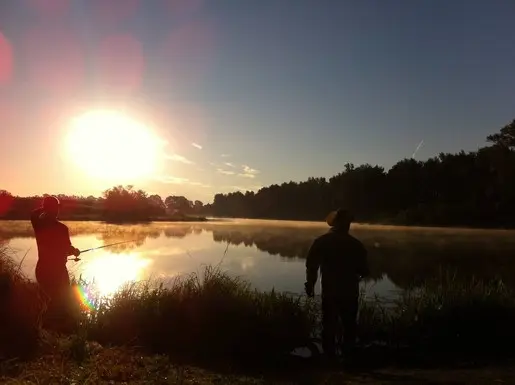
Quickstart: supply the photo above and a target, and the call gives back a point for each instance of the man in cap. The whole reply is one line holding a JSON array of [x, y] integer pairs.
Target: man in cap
[[54, 248], [342, 260]]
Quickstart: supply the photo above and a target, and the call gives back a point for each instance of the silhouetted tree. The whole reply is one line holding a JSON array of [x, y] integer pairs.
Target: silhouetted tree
[[474, 188], [6, 202], [505, 138], [124, 203], [157, 206], [178, 203]]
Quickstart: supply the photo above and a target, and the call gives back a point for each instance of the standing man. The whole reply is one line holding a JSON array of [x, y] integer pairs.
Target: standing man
[[54, 248], [342, 260]]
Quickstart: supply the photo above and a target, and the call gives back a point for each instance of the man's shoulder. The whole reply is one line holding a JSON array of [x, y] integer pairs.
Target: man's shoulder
[[354, 240], [328, 239], [323, 237]]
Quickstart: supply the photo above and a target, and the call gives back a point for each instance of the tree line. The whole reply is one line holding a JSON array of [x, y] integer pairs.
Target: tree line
[[474, 188], [117, 204]]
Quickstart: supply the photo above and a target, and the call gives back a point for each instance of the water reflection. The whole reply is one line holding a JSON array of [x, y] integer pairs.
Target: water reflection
[[109, 272], [259, 251]]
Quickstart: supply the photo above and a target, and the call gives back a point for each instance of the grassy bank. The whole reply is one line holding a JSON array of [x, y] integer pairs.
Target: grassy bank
[[203, 316], [196, 318], [212, 318], [445, 319]]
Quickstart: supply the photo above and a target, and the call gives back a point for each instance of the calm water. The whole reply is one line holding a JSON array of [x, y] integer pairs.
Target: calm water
[[269, 254]]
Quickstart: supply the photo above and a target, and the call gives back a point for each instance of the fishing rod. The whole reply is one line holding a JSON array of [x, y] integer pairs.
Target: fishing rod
[[76, 259]]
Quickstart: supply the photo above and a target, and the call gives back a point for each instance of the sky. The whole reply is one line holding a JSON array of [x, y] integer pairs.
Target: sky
[[244, 94]]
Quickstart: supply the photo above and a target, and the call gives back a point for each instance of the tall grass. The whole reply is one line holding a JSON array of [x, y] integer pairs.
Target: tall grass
[[202, 316], [212, 316], [445, 315], [20, 309]]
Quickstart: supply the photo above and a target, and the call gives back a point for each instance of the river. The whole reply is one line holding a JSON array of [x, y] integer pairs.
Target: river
[[270, 254]]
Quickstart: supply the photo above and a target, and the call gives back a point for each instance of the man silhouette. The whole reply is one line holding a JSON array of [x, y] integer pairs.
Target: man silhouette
[[342, 260], [54, 248]]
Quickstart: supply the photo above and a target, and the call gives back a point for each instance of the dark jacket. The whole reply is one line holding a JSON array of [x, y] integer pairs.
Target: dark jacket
[[52, 239], [342, 260]]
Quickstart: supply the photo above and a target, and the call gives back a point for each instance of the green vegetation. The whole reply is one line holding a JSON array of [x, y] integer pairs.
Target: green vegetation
[[20, 309], [212, 320], [203, 316], [464, 189], [447, 316], [197, 317]]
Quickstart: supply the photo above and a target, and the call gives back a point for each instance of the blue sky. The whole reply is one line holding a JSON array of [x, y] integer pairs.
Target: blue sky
[[288, 88]]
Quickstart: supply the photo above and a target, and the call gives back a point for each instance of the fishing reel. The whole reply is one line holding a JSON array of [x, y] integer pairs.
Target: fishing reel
[[76, 259]]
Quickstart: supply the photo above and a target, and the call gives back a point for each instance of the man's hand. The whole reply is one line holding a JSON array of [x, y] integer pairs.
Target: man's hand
[[75, 252], [310, 290]]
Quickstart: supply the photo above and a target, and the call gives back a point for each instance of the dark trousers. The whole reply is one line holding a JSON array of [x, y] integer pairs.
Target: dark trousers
[[54, 281], [336, 309]]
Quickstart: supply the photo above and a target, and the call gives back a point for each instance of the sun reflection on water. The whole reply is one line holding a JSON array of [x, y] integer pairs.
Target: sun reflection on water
[[108, 272]]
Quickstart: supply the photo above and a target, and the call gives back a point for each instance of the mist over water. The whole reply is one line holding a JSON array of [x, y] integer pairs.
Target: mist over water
[[270, 254]]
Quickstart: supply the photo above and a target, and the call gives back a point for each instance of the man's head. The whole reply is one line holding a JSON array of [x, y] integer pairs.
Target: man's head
[[340, 219], [51, 206]]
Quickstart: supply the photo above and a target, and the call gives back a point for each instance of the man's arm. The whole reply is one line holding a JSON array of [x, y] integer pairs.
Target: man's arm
[[70, 249], [313, 261], [35, 217]]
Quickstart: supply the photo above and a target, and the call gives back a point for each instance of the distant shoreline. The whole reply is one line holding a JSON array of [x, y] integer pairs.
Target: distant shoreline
[[119, 221], [386, 223], [202, 219]]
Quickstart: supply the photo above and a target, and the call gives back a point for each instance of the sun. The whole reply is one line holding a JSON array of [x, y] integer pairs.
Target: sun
[[110, 145]]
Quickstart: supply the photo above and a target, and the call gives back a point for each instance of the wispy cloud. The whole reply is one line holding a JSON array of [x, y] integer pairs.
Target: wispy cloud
[[173, 180], [179, 158], [196, 145], [418, 148], [182, 181], [251, 176], [244, 189], [225, 172], [200, 184], [228, 164], [248, 172], [225, 155]]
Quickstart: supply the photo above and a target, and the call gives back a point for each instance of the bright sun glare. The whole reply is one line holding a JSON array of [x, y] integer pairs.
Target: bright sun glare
[[110, 272], [110, 145]]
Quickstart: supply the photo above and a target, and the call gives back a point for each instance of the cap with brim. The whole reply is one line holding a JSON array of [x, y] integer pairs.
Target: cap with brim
[[331, 217], [339, 216], [51, 202]]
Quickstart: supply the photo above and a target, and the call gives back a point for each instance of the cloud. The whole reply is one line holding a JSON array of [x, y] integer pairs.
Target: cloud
[[179, 158], [183, 181], [173, 180], [225, 172], [418, 148], [225, 155], [248, 172], [244, 189], [230, 164], [196, 145], [200, 184], [247, 175]]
